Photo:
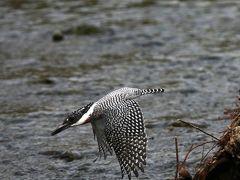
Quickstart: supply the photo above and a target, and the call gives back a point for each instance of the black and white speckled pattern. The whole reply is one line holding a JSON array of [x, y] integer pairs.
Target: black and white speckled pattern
[[122, 94], [118, 125]]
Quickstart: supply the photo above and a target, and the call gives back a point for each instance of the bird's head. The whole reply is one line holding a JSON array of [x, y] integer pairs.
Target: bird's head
[[78, 117]]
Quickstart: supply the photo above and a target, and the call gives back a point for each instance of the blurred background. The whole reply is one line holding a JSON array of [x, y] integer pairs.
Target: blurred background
[[56, 56]]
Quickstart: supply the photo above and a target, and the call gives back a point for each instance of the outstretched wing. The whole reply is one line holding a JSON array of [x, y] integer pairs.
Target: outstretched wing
[[121, 128], [98, 126]]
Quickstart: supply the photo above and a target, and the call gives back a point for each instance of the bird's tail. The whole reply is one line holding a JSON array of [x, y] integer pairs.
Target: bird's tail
[[152, 91]]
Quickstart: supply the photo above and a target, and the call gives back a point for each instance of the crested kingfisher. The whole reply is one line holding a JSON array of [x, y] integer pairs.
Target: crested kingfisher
[[117, 122]]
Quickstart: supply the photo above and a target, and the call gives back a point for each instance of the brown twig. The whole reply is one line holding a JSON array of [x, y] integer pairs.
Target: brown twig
[[189, 151], [190, 124], [237, 116], [192, 147], [208, 152], [177, 158], [203, 148]]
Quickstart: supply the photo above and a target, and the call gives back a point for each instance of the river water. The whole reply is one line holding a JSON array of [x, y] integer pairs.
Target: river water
[[190, 48]]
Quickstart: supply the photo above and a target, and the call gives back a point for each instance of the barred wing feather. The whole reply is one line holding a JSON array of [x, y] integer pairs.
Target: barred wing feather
[[121, 128]]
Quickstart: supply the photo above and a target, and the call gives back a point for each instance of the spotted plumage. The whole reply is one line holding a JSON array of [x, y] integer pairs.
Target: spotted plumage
[[118, 125]]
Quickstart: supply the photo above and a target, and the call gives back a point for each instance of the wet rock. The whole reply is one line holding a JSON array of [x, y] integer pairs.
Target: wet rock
[[57, 36], [47, 81], [67, 155], [178, 124], [152, 125], [142, 4], [85, 29], [188, 91], [19, 173], [149, 44], [91, 2], [16, 4]]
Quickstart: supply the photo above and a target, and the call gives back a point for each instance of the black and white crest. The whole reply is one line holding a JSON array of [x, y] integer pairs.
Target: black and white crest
[[72, 118]]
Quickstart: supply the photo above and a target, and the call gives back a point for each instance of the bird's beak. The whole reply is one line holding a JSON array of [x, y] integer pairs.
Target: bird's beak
[[75, 118], [60, 128]]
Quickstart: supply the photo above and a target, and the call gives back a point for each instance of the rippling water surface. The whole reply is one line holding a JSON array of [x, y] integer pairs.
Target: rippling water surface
[[190, 48]]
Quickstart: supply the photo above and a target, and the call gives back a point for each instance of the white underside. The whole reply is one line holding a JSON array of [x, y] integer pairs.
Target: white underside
[[85, 116]]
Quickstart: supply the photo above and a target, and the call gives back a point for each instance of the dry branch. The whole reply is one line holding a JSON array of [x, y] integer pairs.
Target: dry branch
[[224, 164]]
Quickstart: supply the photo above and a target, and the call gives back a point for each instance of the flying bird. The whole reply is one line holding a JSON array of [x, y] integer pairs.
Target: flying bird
[[117, 123]]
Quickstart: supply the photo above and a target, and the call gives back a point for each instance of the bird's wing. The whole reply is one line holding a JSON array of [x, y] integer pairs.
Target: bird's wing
[[98, 126], [123, 130]]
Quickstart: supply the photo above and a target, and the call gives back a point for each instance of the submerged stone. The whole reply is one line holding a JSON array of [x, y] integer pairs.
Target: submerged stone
[[57, 36]]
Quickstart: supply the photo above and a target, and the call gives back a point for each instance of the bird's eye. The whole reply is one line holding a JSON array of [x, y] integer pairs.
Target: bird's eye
[[83, 109], [70, 119], [65, 120]]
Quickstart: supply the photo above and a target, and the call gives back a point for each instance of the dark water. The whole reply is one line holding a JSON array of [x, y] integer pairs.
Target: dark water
[[190, 48]]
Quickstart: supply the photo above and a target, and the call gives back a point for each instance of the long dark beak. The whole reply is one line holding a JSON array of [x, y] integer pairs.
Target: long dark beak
[[71, 119], [60, 129]]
